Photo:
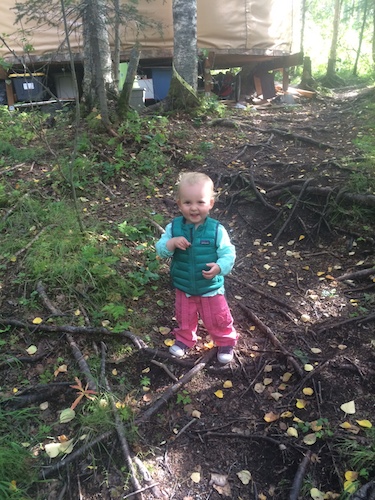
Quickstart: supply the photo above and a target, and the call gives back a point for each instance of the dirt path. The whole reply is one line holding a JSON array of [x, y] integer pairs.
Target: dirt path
[[302, 294]]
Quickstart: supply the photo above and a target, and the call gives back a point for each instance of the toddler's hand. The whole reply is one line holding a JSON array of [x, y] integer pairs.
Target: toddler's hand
[[214, 271], [179, 242]]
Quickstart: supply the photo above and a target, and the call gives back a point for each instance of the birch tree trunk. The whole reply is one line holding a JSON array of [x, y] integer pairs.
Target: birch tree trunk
[[183, 89], [98, 77], [331, 79]]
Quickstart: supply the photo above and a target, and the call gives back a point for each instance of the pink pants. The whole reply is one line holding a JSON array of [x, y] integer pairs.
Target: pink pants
[[213, 311]]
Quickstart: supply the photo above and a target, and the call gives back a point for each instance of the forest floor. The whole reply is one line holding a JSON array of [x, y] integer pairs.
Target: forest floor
[[302, 293]]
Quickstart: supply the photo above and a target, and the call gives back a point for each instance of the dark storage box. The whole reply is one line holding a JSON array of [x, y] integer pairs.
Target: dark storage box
[[28, 86]]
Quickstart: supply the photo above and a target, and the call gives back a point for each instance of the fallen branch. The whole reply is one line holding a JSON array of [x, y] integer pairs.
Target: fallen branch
[[266, 295], [176, 387], [298, 478], [363, 273], [275, 341], [68, 459], [337, 324], [78, 356], [288, 220], [75, 330], [120, 429]]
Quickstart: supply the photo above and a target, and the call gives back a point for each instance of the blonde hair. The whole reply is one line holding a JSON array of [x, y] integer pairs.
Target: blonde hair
[[192, 178]]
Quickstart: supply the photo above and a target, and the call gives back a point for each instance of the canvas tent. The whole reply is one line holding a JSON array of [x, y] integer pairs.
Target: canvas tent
[[236, 30]]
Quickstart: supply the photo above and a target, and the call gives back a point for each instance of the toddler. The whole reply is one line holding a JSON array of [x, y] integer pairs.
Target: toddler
[[202, 254]]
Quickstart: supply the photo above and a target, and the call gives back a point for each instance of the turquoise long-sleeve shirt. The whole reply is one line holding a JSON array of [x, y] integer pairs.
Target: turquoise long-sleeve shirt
[[225, 250]]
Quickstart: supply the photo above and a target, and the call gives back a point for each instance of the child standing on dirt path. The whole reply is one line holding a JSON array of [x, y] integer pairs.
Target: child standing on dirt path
[[202, 254]]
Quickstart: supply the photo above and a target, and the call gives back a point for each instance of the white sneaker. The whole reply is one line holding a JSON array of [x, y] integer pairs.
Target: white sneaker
[[178, 349], [225, 354]]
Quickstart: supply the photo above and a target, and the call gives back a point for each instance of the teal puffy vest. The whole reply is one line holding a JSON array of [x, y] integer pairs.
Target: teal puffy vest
[[187, 265]]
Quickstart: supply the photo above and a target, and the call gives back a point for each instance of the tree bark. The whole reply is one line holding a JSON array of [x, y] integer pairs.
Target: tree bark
[[98, 79], [123, 103], [355, 67], [183, 89]]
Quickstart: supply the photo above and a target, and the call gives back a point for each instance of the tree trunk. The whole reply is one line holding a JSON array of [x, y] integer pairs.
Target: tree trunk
[[183, 89], [355, 68], [123, 103], [331, 79], [373, 32], [117, 43], [98, 80]]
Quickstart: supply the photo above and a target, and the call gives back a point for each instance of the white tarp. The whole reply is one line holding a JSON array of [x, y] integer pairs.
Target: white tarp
[[259, 27]]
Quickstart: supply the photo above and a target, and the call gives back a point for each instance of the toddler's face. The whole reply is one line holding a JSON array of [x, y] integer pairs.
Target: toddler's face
[[195, 202]]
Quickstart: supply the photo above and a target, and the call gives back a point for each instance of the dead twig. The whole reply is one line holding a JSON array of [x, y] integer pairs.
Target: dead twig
[[68, 459], [266, 295], [166, 369], [296, 486], [74, 330], [176, 387], [363, 273], [289, 219], [274, 340]]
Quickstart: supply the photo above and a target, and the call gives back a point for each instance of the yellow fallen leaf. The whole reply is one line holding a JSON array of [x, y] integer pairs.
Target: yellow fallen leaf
[[267, 381], [209, 345], [168, 342], [251, 328], [292, 432], [259, 388], [268, 368], [286, 414], [317, 494], [52, 449], [146, 370], [306, 268], [308, 368], [114, 372], [305, 318], [196, 414], [348, 407], [286, 377], [164, 330], [345, 425], [302, 237], [298, 420], [31, 350], [314, 426], [316, 350], [244, 476], [77, 312], [308, 391], [364, 423], [349, 487], [282, 387], [227, 384], [271, 417], [37, 321], [219, 394], [301, 403], [351, 475], [329, 277], [310, 439], [271, 283], [276, 395], [195, 477], [320, 273]]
